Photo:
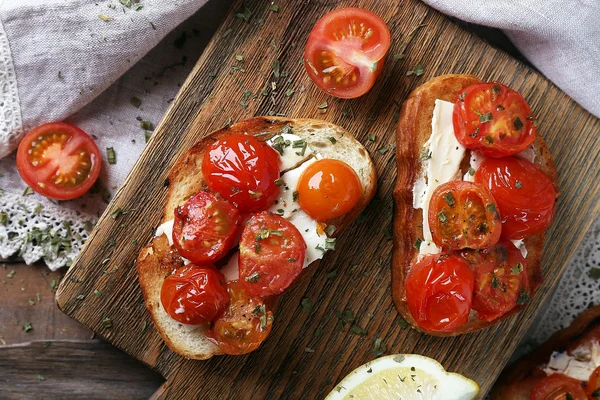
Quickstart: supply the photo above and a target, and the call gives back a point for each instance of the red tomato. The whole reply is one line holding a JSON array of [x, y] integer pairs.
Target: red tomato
[[493, 119], [501, 280], [464, 215], [272, 253], [439, 291], [205, 228], [242, 170], [194, 295], [525, 195], [345, 51], [593, 385], [558, 387], [244, 325], [328, 189], [58, 160]]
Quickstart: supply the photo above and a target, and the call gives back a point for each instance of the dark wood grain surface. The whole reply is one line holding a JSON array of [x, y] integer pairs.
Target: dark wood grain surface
[[212, 95]]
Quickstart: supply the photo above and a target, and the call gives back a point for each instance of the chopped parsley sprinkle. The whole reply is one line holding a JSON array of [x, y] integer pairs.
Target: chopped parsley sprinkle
[[378, 347], [332, 274], [28, 191], [487, 117], [136, 102], [107, 323], [146, 125], [300, 144], [426, 155], [27, 327], [358, 330], [239, 57], [330, 244], [330, 230], [494, 282], [442, 217], [11, 274], [97, 292], [40, 377], [253, 278], [306, 305], [244, 14], [372, 137], [518, 185], [523, 298], [323, 106], [274, 8], [80, 297], [332, 140], [517, 269], [471, 171], [289, 92], [449, 199], [295, 195], [418, 70], [496, 89], [417, 244], [276, 69], [402, 322]]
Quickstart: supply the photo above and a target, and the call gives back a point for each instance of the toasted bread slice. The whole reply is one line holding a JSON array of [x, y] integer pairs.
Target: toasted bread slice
[[413, 130], [185, 179], [517, 380]]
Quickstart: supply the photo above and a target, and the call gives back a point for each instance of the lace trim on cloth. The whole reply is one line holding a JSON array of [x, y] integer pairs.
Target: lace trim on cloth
[[35, 231], [11, 125], [578, 289]]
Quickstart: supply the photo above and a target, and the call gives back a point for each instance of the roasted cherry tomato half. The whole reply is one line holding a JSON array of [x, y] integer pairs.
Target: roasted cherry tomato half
[[244, 325], [464, 215], [243, 171], [328, 189], [205, 228], [593, 385], [194, 295], [524, 194], [272, 252], [58, 160], [558, 387], [345, 51], [439, 292], [493, 119], [501, 280]]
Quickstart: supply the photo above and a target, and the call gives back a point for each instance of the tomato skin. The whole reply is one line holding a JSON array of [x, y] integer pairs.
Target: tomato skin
[[244, 325], [493, 119], [593, 385], [439, 292], [243, 171], [464, 215], [194, 294], [328, 189], [51, 155], [500, 279], [525, 195], [556, 387], [205, 228], [345, 51], [272, 252]]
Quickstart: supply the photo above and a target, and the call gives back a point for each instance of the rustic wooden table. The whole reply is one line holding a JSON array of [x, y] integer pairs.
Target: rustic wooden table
[[45, 354]]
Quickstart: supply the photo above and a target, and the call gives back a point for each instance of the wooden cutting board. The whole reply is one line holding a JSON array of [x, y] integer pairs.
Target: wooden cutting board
[[308, 351]]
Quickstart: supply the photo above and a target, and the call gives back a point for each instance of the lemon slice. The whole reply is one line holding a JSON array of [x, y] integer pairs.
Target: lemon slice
[[404, 377]]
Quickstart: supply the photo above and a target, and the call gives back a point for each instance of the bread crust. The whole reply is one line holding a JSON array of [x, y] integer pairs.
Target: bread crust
[[517, 379], [413, 130], [185, 179]]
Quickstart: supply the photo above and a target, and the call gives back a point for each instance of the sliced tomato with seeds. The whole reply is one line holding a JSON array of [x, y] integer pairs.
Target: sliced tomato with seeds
[[439, 292], [493, 119], [272, 252], [464, 215], [558, 387], [194, 294], [244, 325], [205, 228], [501, 280], [345, 51], [58, 160]]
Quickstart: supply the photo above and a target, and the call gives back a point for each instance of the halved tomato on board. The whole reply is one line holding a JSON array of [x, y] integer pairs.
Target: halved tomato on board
[[501, 280], [272, 252], [205, 228], [464, 215], [493, 119], [58, 160], [525, 195], [244, 325], [558, 387], [439, 292], [345, 51]]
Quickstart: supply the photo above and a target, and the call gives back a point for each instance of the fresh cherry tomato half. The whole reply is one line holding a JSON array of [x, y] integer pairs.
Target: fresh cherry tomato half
[[464, 215], [205, 228], [501, 280], [244, 325], [58, 160], [558, 387], [243, 171], [525, 195], [272, 252], [328, 189], [439, 292], [593, 385], [345, 51], [194, 295], [493, 119]]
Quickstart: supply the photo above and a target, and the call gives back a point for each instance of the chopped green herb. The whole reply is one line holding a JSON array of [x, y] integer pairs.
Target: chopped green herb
[[495, 282], [372, 137], [11, 274], [330, 244], [308, 350], [245, 14], [136, 102], [596, 393], [111, 155], [239, 57], [518, 185], [27, 327], [323, 106], [80, 297], [523, 298], [418, 70], [274, 8], [417, 244], [398, 56], [117, 213], [306, 305], [31, 302], [97, 292], [332, 274], [253, 278], [426, 155], [107, 323], [496, 89], [146, 125], [382, 150], [594, 273], [28, 191], [40, 377], [471, 171], [486, 117], [295, 195], [330, 230], [53, 284], [517, 269], [276, 69], [442, 217], [358, 330], [105, 18], [147, 136], [289, 92], [402, 322], [449, 199], [332, 140], [60, 76], [227, 32], [379, 347]]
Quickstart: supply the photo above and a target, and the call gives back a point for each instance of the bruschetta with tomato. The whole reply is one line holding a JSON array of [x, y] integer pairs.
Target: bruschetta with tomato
[[567, 366], [475, 192], [248, 208]]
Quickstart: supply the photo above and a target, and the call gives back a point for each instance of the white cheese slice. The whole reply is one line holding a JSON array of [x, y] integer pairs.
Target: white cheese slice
[[315, 242], [579, 368], [519, 244], [292, 156], [167, 230], [442, 165], [285, 205]]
